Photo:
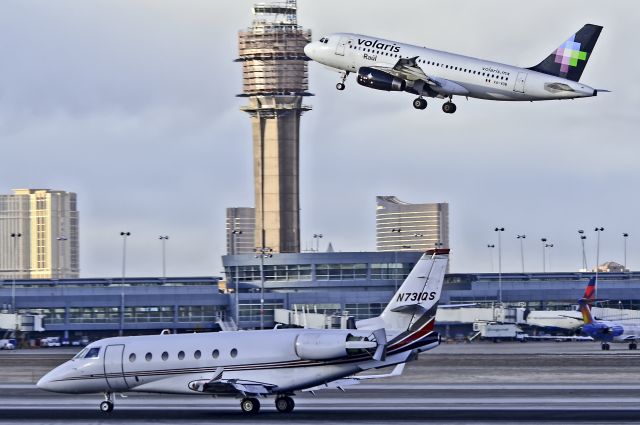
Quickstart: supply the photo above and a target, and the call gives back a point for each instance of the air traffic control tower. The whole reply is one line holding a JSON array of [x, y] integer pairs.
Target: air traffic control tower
[[274, 69]]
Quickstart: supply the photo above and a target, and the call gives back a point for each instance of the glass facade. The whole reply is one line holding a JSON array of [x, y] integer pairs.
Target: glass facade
[[341, 271], [249, 311]]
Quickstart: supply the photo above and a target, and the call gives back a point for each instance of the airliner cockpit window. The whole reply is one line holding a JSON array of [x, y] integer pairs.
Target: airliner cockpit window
[[92, 353]]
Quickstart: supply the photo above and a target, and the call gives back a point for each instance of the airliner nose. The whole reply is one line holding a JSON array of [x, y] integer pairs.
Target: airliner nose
[[310, 50]]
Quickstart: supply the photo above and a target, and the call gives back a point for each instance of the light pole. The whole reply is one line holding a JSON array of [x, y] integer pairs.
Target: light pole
[[491, 246], [263, 253], [548, 245], [544, 263], [584, 254], [14, 237], [522, 238], [598, 230], [499, 230], [625, 236], [234, 235], [124, 235], [164, 240], [317, 237]]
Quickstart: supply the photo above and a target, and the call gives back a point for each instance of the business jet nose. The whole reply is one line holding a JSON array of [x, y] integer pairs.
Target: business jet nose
[[310, 50], [44, 383]]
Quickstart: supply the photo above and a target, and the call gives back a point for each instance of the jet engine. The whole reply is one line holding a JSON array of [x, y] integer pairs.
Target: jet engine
[[332, 345], [379, 80]]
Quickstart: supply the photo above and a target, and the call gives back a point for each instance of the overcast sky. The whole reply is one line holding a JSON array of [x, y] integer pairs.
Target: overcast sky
[[132, 105]]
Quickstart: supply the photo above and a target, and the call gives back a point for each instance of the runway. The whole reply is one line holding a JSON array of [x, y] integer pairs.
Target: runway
[[480, 383]]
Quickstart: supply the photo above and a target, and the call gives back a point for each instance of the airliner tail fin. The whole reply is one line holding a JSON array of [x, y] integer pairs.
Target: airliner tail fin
[[569, 60]]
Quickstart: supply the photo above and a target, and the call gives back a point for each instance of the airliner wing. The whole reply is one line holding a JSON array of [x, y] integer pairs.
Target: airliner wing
[[408, 69]]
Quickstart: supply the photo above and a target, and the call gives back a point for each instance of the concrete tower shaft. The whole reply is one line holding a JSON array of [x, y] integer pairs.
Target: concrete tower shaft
[[274, 69]]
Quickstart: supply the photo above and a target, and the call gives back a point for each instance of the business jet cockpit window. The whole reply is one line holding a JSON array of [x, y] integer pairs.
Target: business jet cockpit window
[[88, 353], [324, 40]]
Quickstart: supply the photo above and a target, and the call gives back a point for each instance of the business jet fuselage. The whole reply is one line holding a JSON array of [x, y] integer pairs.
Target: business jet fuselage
[[253, 364], [392, 66]]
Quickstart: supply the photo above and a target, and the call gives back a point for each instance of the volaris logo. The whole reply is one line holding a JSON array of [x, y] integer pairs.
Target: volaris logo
[[569, 54]]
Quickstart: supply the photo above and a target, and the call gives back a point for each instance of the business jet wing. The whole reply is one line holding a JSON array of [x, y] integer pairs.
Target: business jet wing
[[408, 69], [218, 386], [355, 379]]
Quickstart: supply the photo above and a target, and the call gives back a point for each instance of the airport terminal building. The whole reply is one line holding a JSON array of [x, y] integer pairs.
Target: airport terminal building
[[359, 283]]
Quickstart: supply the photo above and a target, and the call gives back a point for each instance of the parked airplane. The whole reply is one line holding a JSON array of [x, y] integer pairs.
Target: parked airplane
[[605, 331], [252, 364], [392, 66]]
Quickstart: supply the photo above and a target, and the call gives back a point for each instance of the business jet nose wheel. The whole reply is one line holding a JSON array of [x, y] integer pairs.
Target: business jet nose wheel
[[633, 346], [250, 405], [340, 86], [285, 404], [605, 346], [449, 107], [106, 406], [419, 103]]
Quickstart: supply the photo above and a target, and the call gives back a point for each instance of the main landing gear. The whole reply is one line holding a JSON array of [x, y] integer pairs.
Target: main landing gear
[[605, 346], [285, 404], [107, 405], [633, 345], [340, 85], [449, 107], [419, 103]]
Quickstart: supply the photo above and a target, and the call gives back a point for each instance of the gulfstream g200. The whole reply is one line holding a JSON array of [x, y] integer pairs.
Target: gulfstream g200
[[391, 66]]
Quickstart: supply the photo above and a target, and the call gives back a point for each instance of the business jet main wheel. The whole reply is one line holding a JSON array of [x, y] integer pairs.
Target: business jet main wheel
[[419, 103], [106, 406], [340, 86], [250, 405], [633, 346], [605, 346], [449, 107], [285, 404]]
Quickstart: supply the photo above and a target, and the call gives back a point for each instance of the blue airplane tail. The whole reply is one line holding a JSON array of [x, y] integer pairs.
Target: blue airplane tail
[[569, 60]]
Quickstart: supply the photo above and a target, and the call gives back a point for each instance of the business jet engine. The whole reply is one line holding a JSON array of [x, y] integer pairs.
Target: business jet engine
[[379, 80], [313, 345]]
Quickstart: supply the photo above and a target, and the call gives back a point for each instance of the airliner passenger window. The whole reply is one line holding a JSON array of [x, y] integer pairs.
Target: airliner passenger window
[[215, 354], [181, 355], [197, 354], [132, 357], [234, 353], [148, 357], [165, 356], [92, 353]]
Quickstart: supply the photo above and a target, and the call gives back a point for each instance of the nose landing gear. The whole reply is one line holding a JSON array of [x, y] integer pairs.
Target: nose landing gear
[[340, 85], [605, 346], [107, 405]]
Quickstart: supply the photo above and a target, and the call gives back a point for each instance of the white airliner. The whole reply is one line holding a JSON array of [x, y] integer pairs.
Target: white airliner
[[392, 66], [252, 364]]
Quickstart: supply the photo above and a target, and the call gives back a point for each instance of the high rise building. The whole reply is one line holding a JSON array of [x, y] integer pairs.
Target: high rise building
[[401, 226], [241, 227], [39, 235], [274, 69]]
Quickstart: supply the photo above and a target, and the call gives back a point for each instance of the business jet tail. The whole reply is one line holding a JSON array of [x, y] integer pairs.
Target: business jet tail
[[569, 60], [409, 318]]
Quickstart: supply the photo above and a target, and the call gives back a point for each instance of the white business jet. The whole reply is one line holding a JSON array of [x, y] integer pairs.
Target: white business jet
[[254, 364], [391, 66]]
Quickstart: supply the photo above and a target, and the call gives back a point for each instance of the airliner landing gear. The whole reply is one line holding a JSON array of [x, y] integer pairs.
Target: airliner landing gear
[[250, 405], [107, 405], [449, 107], [285, 404], [419, 103], [605, 346], [633, 346], [340, 85]]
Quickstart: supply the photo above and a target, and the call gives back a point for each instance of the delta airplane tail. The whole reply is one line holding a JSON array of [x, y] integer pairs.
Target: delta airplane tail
[[569, 60]]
